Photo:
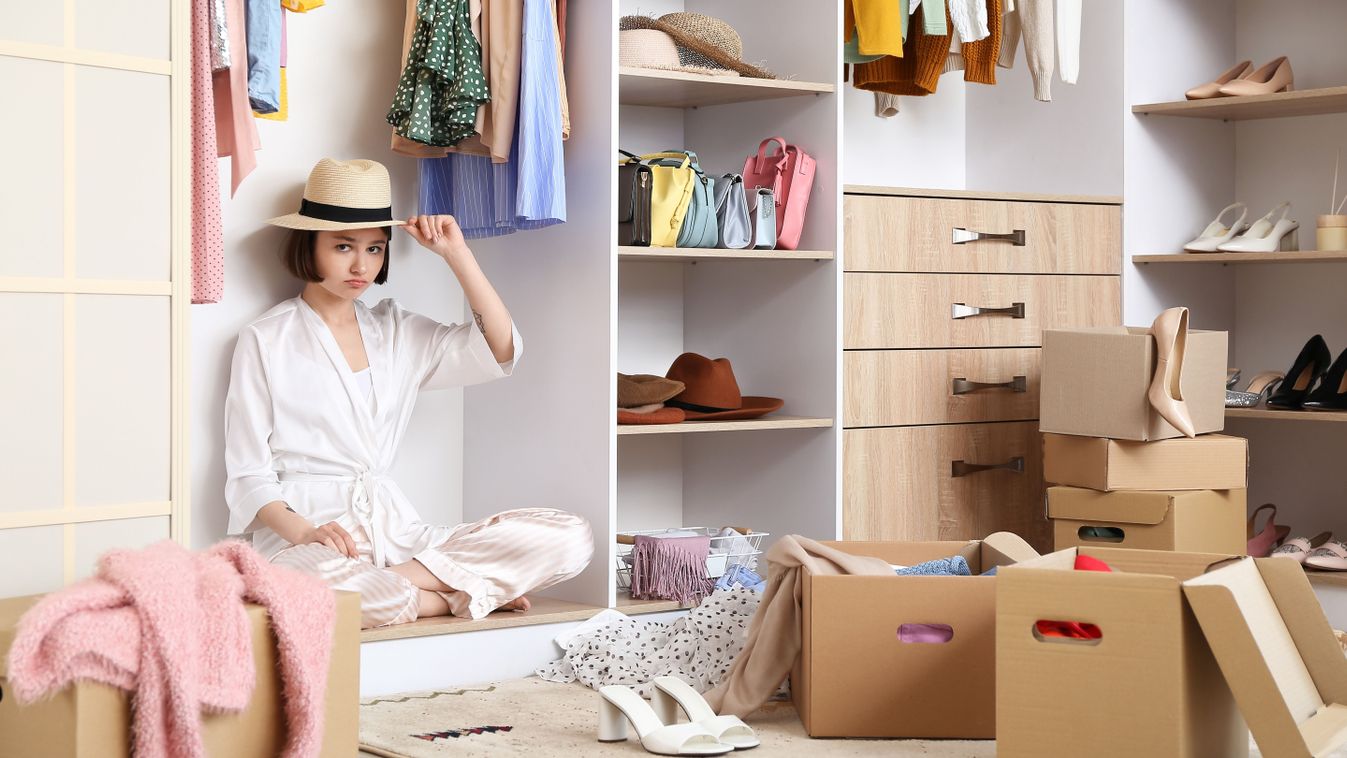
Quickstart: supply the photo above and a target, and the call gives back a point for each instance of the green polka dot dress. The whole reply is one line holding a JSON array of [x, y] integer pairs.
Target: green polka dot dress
[[443, 84]]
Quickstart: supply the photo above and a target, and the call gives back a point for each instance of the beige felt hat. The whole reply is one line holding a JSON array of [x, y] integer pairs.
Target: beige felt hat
[[343, 195], [701, 44]]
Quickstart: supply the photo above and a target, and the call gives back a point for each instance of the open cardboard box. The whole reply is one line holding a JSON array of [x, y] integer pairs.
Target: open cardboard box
[[1095, 383], [1278, 653], [1148, 686], [1206, 462], [862, 673], [1198, 521], [91, 720]]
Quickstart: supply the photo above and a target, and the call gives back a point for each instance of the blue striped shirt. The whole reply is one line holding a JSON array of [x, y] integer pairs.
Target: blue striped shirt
[[528, 191]]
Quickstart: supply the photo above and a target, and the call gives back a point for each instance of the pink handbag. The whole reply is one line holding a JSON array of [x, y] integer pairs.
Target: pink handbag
[[789, 173]]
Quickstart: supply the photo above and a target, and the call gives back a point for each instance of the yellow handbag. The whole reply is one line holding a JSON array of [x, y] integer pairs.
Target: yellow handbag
[[669, 196]]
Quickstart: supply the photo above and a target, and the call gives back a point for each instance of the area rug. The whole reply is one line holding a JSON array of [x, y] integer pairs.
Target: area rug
[[538, 718]]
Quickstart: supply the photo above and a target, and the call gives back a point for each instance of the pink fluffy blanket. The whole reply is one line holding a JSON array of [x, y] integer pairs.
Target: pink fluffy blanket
[[170, 626]]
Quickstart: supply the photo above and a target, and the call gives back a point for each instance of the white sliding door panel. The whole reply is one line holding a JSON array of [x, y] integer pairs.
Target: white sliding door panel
[[93, 539], [122, 190], [121, 399], [30, 150], [30, 446], [125, 27], [33, 23], [33, 560]]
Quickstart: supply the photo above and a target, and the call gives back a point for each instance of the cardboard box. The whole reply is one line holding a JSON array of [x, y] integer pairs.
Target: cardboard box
[[1193, 521], [1095, 383], [1208, 462], [89, 720], [1277, 652], [860, 675], [1149, 686]]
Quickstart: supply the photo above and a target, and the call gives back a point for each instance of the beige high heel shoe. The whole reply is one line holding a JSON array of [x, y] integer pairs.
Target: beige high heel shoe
[[1166, 394], [1213, 88], [1273, 76]]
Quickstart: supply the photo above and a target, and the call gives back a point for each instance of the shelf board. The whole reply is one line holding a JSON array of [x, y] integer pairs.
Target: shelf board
[[1331, 578], [545, 610], [1309, 102], [948, 194], [1273, 415], [676, 89], [689, 427], [633, 607], [1299, 256], [694, 254]]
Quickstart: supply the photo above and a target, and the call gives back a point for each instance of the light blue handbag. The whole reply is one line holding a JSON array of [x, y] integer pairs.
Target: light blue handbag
[[699, 227]]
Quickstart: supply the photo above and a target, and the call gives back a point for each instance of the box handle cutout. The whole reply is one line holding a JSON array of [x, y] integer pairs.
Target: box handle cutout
[[962, 468], [1067, 632], [962, 236], [925, 633], [962, 310], [961, 385], [1101, 534]]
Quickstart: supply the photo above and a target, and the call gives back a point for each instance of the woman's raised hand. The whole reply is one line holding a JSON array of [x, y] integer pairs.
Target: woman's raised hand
[[440, 234], [332, 535]]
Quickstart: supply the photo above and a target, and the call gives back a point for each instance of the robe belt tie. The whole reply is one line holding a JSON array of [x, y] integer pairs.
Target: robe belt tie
[[364, 502]]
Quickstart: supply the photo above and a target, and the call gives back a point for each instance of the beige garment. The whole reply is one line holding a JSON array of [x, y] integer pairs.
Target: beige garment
[[774, 633], [488, 563], [886, 104], [1033, 19], [561, 76]]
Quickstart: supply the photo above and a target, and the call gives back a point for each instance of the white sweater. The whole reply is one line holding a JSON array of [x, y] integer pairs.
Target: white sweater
[[1035, 19]]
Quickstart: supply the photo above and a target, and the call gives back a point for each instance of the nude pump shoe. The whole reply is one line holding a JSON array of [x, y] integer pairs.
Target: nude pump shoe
[[1213, 88], [1166, 394], [1273, 76]]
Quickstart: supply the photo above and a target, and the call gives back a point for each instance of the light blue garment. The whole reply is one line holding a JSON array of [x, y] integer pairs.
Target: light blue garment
[[528, 191], [262, 22], [954, 566], [740, 575]]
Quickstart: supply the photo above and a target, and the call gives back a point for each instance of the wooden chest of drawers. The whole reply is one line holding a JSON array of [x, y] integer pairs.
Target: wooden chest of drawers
[[946, 297]]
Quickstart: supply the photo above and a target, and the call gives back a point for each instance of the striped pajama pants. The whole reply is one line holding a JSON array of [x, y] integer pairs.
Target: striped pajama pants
[[488, 563]]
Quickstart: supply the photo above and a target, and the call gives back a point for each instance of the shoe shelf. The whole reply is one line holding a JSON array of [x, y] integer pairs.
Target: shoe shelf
[[545, 610], [693, 254], [1273, 415], [690, 427], [675, 89], [632, 607], [1300, 256], [1330, 579], [1310, 102]]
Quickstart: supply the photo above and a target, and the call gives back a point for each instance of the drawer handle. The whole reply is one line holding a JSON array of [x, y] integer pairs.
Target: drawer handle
[[961, 385], [960, 468], [961, 310], [962, 236]]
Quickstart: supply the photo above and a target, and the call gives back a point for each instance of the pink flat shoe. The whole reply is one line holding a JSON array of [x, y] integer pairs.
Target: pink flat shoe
[[1299, 548], [1331, 557], [1261, 542]]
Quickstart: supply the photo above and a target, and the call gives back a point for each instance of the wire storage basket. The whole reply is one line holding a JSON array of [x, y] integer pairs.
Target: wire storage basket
[[728, 548]]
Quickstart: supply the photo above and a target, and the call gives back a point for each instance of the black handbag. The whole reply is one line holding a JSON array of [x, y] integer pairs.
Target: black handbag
[[634, 183]]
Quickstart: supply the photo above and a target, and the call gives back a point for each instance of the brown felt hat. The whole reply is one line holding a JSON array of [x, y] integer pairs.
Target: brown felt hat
[[665, 415], [635, 390], [712, 391]]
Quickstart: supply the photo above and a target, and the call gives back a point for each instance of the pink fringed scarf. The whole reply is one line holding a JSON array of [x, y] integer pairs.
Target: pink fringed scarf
[[670, 568], [171, 627]]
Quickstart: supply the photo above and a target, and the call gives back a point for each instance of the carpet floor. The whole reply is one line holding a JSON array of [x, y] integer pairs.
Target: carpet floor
[[541, 719]]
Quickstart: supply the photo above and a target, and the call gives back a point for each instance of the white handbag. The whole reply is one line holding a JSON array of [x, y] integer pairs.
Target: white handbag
[[764, 219], [735, 228]]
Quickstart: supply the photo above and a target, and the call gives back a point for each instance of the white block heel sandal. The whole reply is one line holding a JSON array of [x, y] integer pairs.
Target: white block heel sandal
[[671, 693], [620, 705]]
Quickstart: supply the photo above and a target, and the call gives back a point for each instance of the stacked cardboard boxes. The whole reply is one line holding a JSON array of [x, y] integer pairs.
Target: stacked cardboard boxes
[[1126, 477]]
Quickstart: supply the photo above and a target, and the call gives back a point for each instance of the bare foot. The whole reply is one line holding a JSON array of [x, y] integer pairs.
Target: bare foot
[[520, 603]]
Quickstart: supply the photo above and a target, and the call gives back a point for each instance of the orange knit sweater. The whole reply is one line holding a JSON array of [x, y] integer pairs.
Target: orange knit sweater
[[918, 71]]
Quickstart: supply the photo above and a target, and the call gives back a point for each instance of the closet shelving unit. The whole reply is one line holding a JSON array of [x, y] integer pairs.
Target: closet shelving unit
[[774, 313], [1184, 160]]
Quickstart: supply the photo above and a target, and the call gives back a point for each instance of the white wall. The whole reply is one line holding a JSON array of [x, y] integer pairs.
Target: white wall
[[344, 62], [923, 146]]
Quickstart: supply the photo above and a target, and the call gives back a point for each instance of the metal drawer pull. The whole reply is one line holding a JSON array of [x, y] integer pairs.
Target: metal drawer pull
[[962, 236], [960, 468], [960, 310], [961, 386]]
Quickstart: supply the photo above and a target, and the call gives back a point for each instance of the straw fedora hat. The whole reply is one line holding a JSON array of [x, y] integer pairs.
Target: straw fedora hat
[[704, 44], [712, 391], [343, 195]]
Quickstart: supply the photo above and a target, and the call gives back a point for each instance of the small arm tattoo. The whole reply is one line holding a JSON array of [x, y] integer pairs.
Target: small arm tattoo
[[480, 326], [288, 508]]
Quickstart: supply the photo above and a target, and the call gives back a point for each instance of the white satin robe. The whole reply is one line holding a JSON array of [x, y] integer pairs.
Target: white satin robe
[[299, 430]]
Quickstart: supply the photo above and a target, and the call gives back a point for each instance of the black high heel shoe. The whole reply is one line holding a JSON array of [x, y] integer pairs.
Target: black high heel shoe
[[1331, 394], [1310, 365]]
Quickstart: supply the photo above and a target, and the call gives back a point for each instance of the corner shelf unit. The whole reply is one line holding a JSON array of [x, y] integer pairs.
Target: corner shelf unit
[[1310, 102]]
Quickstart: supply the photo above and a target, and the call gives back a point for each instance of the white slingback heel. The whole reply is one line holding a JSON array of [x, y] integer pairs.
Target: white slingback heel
[[1217, 233], [620, 704], [672, 693], [1265, 236]]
